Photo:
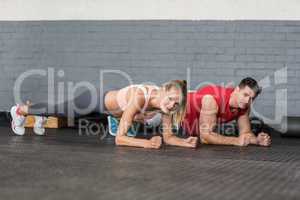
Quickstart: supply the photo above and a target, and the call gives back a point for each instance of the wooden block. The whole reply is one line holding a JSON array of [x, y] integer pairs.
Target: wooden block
[[52, 122]]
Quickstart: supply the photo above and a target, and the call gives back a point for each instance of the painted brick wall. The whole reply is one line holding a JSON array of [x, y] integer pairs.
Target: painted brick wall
[[157, 51]]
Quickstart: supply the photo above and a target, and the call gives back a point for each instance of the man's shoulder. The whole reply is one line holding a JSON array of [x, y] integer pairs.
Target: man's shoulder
[[211, 88], [209, 101]]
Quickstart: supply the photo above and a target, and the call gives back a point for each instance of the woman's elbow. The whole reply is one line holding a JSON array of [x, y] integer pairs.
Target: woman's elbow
[[167, 138], [119, 140], [204, 137]]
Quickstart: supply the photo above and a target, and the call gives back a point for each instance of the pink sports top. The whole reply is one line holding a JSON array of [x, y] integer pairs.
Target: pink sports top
[[123, 103]]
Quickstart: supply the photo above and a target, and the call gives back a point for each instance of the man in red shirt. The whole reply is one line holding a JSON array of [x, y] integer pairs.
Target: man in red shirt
[[213, 104]]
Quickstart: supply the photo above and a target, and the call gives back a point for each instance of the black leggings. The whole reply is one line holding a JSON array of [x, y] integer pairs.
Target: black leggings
[[83, 104]]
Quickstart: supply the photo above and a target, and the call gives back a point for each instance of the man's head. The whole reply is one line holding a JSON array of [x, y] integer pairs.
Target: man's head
[[246, 92]]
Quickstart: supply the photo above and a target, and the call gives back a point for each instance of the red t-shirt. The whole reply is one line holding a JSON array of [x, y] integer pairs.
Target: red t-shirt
[[194, 100]]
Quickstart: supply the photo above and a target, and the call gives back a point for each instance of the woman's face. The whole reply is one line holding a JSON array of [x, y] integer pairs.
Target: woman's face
[[170, 100]]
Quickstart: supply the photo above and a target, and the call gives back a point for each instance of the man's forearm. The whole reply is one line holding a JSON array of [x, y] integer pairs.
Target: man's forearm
[[253, 138], [215, 138]]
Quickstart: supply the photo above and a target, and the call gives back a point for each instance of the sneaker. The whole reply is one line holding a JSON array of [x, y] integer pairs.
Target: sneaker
[[113, 125], [18, 121], [38, 127]]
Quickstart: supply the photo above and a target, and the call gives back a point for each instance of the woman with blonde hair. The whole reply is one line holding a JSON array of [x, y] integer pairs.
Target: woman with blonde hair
[[129, 104]]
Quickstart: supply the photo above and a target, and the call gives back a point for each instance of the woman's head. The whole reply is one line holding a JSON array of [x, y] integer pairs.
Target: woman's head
[[173, 102]]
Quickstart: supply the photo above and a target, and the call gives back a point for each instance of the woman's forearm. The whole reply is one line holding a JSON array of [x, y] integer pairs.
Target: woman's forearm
[[130, 141], [175, 141]]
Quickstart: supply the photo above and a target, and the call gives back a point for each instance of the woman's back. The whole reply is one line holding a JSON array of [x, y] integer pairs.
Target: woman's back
[[117, 101]]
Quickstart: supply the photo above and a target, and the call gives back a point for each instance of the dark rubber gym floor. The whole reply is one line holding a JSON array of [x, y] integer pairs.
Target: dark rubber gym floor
[[64, 165]]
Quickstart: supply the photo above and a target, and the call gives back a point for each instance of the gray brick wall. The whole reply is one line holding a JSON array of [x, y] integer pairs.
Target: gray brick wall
[[214, 51]]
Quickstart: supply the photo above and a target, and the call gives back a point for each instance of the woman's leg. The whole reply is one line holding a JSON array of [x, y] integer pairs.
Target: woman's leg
[[84, 103]]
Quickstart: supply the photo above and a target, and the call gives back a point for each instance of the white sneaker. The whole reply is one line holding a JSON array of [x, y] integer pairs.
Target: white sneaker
[[18, 121], [39, 123]]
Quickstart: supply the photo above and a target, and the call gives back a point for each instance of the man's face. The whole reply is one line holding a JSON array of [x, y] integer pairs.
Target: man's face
[[245, 96]]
